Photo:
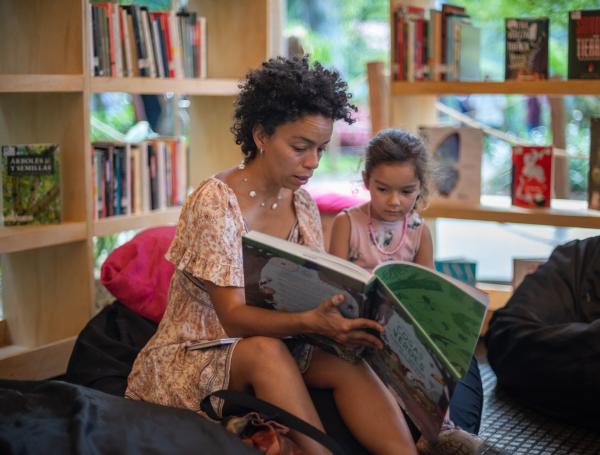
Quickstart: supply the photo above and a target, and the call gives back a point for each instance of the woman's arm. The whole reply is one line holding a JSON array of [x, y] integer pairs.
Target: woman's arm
[[424, 255], [241, 320], [339, 244]]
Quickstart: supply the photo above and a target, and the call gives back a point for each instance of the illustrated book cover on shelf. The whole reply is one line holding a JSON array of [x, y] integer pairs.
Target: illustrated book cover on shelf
[[584, 44], [30, 184], [526, 47], [531, 176], [594, 168], [456, 156], [432, 321], [460, 268]]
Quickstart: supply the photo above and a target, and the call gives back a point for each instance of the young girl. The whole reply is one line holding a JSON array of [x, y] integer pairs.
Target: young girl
[[388, 227]]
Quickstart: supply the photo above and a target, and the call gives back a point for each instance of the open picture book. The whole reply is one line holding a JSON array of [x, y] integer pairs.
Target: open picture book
[[432, 321]]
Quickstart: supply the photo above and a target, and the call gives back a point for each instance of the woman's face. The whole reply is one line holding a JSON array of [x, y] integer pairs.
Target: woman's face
[[292, 152]]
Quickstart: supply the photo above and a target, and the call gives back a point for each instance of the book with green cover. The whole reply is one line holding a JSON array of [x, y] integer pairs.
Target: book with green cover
[[432, 321], [30, 184]]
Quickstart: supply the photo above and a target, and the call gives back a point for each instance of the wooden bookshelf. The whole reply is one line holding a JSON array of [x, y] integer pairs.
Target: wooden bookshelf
[[564, 217], [48, 361], [21, 238], [114, 224], [45, 92], [412, 104], [205, 87], [549, 87], [27, 83]]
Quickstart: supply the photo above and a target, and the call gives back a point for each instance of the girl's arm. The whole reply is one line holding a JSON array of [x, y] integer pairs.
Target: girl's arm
[[241, 320], [339, 244], [425, 254]]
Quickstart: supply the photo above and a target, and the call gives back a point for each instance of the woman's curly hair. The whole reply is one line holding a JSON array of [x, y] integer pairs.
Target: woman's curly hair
[[283, 90]]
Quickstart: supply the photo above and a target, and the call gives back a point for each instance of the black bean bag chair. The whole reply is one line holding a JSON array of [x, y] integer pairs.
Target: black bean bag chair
[[544, 346], [62, 418]]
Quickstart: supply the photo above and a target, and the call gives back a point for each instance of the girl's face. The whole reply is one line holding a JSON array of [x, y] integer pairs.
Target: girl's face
[[394, 189], [292, 152]]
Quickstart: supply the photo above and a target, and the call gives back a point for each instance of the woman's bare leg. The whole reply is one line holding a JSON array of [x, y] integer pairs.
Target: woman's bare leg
[[365, 404], [266, 365]]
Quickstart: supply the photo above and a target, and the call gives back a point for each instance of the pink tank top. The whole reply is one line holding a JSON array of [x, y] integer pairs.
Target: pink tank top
[[364, 253]]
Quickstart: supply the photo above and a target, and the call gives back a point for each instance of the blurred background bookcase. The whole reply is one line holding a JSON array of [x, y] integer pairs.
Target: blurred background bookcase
[[45, 90], [412, 104], [409, 105]]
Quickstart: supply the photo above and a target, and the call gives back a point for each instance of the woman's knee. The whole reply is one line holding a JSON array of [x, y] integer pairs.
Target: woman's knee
[[261, 354]]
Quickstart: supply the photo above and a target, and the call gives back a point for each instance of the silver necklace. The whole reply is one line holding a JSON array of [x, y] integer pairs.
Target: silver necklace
[[253, 194]]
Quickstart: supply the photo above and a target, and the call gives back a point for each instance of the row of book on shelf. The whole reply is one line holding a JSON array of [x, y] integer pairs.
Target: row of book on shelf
[[131, 41], [457, 156], [127, 179], [136, 178], [445, 45]]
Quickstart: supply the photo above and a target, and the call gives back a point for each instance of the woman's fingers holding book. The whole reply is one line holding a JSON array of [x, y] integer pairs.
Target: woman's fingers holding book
[[352, 332]]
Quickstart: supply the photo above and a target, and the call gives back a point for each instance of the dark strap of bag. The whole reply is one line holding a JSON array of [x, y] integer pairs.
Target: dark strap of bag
[[269, 412]]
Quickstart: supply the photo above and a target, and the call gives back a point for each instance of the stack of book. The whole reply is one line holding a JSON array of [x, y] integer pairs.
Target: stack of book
[[131, 41], [136, 178]]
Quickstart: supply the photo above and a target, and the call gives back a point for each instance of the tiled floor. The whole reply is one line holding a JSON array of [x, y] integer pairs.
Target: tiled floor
[[511, 427]]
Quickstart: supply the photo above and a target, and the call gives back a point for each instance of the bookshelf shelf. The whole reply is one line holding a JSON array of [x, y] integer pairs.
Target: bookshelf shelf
[[50, 360], [114, 224], [21, 238], [30, 83], [205, 87], [549, 87], [556, 216]]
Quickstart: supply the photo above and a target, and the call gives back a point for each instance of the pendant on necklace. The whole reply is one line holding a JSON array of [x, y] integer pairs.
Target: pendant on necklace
[[252, 194]]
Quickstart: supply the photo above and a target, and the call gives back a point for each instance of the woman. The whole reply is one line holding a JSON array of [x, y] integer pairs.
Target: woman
[[283, 121]]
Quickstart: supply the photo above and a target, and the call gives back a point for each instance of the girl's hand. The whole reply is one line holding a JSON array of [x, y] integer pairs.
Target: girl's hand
[[327, 320]]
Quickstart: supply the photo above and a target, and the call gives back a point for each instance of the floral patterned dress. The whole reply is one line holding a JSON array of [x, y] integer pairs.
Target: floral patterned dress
[[207, 247]]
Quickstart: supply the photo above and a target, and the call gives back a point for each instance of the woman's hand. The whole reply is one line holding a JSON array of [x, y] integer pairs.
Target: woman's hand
[[327, 320]]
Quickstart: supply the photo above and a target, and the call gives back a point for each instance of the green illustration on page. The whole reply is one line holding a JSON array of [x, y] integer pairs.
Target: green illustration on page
[[452, 328]]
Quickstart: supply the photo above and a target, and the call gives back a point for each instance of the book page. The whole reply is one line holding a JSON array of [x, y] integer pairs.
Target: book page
[[318, 257], [292, 287], [409, 366], [449, 312]]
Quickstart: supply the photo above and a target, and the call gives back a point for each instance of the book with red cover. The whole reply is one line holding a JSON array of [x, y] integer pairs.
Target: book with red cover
[[531, 175]]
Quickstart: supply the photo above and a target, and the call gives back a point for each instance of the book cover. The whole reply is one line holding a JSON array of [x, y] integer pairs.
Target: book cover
[[431, 321], [584, 44], [594, 168], [526, 48], [469, 53], [523, 267], [454, 24], [460, 268], [30, 184], [456, 158], [531, 176]]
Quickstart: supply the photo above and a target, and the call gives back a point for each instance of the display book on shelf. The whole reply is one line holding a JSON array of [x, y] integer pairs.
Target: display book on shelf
[[137, 178], [29, 184], [526, 48], [129, 40]]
